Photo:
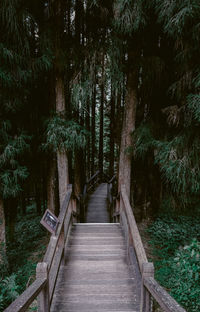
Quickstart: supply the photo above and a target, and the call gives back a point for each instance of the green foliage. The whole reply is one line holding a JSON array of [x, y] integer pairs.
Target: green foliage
[[178, 159], [186, 278], [8, 291], [179, 165], [23, 255], [178, 16], [130, 16], [176, 247], [143, 140], [193, 104], [64, 135], [12, 173]]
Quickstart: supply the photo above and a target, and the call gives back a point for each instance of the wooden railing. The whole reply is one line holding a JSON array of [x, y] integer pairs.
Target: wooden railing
[[47, 271], [88, 187], [150, 288]]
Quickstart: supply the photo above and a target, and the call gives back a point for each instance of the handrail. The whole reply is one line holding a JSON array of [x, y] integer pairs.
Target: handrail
[[26, 298], [138, 245], [112, 179], [87, 187], [94, 176], [47, 271], [150, 287], [165, 301]]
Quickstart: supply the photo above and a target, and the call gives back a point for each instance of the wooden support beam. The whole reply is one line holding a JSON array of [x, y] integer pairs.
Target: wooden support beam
[[43, 297], [166, 302], [147, 271]]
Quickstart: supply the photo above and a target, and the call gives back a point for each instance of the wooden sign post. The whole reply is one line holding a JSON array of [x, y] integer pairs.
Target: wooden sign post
[[50, 221]]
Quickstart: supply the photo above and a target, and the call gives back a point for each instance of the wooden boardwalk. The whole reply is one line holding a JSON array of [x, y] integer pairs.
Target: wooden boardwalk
[[95, 266], [97, 211], [95, 275]]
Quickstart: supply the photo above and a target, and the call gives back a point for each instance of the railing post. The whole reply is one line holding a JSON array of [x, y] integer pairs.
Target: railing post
[[147, 271], [43, 297]]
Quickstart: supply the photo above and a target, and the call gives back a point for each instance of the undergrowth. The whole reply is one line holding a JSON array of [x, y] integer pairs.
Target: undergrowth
[[23, 254], [176, 248]]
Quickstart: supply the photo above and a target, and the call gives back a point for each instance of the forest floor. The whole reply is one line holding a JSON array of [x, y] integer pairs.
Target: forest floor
[[172, 243]]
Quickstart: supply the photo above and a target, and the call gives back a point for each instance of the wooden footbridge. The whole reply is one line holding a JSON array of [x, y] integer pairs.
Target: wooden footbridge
[[96, 266]]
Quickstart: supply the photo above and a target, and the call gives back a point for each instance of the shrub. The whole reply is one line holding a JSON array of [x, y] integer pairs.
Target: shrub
[[176, 249]]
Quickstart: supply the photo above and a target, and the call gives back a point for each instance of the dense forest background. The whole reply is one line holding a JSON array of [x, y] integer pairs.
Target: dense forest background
[[114, 86]]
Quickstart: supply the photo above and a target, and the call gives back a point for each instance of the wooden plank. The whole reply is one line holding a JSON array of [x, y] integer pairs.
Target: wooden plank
[[138, 245], [23, 302], [166, 302]]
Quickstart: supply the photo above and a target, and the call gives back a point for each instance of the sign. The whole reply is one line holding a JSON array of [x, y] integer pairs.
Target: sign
[[49, 221]]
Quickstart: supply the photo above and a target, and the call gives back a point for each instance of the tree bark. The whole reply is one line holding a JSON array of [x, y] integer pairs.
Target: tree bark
[[62, 160], [101, 121], [88, 151], [128, 128], [51, 186], [112, 143], [93, 141], [2, 233]]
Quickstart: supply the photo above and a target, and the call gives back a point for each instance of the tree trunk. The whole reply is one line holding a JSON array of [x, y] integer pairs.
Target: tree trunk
[[51, 186], [62, 160], [2, 233], [78, 172], [88, 151], [101, 122], [127, 129], [93, 141], [112, 143]]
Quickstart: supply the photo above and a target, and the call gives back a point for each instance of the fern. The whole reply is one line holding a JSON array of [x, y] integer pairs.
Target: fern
[[193, 104], [64, 135], [143, 140]]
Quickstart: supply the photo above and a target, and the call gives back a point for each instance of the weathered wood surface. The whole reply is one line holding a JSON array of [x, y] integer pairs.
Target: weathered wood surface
[[95, 275], [166, 302], [97, 210], [22, 302], [138, 245]]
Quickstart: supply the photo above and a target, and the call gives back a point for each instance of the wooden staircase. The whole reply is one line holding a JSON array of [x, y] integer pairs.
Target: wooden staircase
[[95, 275], [95, 266]]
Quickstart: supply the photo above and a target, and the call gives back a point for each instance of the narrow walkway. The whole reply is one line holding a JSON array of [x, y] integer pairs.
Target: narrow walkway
[[97, 211]]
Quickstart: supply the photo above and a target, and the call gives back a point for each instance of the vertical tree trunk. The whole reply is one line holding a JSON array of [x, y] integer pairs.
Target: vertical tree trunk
[[78, 172], [128, 128], [101, 121], [51, 186], [2, 233], [112, 122], [88, 151], [93, 141], [62, 160]]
